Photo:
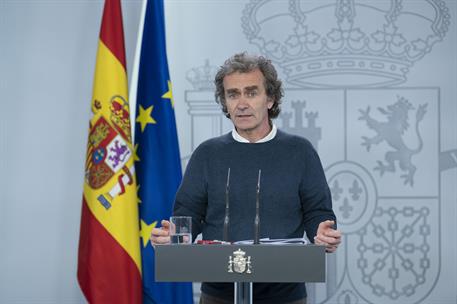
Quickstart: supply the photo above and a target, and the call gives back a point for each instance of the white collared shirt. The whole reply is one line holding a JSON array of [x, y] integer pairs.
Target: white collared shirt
[[236, 136]]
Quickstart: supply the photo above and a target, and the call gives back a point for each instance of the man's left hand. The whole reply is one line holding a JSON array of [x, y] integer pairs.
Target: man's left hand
[[328, 236]]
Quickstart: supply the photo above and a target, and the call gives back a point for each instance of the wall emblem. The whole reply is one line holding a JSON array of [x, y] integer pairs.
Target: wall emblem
[[391, 132], [342, 62], [373, 43], [391, 249]]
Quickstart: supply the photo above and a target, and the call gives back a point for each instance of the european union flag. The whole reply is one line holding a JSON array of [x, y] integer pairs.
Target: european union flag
[[158, 166]]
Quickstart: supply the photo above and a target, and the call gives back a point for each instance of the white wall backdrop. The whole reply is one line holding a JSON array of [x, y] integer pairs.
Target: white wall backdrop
[[378, 74]]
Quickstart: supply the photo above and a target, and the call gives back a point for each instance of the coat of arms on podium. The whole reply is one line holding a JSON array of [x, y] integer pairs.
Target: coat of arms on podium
[[239, 262]]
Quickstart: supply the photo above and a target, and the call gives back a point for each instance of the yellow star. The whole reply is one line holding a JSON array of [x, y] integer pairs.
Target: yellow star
[[135, 155], [145, 231], [139, 201], [169, 94], [145, 117]]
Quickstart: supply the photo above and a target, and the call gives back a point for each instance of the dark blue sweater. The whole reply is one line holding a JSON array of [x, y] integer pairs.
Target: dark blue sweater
[[294, 197]]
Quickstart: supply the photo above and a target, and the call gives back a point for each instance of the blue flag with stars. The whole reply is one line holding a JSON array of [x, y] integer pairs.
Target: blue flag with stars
[[158, 164]]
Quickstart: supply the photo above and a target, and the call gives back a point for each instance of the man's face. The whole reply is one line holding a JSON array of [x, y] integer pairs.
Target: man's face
[[248, 104]]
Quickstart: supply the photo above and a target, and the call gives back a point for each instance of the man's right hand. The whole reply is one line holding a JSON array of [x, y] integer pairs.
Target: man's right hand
[[161, 235]]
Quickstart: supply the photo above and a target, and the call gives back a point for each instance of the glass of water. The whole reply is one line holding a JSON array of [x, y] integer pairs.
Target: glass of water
[[180, 230]]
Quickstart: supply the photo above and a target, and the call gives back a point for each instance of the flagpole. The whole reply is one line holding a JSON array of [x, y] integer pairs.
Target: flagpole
[[136, 68]]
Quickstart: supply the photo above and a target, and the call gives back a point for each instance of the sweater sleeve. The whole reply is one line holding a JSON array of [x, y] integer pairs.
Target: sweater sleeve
[[315, 194], [191, 197]]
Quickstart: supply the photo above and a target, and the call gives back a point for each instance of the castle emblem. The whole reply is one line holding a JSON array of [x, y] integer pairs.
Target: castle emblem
[[239, 263], [391, 132], [311, 131]]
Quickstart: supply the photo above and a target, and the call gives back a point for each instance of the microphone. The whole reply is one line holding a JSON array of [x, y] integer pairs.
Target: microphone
[[257, 213], [227, 208]]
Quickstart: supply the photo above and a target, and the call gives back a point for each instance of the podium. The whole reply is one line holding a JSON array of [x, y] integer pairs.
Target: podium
[[241, 264]]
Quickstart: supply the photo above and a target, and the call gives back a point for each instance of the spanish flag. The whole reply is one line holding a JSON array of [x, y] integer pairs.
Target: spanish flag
[[109, 262]]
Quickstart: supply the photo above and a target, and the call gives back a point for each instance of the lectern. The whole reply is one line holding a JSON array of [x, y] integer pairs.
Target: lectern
[[241, 264]]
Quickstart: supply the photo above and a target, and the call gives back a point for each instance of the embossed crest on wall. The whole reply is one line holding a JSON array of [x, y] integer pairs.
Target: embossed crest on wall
[[344, 65]]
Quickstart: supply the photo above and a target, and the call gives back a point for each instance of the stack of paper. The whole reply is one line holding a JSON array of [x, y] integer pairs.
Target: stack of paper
[[275, 241]]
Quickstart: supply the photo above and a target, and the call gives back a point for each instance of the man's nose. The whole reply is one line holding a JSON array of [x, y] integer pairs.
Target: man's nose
[[242, 103]]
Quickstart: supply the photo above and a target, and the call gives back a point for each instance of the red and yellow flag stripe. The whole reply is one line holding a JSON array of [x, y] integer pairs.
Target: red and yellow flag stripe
[[109, 262]]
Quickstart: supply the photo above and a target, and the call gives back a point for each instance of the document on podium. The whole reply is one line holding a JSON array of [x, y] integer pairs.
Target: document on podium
[[299, 241]]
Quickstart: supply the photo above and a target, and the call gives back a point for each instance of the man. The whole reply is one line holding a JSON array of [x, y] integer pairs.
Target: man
[[294, 195]]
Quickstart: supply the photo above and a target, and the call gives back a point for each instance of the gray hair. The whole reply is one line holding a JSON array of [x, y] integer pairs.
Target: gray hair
[[244, 63]]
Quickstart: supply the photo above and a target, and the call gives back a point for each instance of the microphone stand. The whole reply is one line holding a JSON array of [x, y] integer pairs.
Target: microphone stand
[[257, 213], [227, 208]]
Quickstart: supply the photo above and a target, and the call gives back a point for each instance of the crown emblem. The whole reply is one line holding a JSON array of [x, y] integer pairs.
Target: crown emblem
[[202, 78], [320, 44]]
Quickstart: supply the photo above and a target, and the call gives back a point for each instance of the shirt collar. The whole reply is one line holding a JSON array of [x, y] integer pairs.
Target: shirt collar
[[236, 136]]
